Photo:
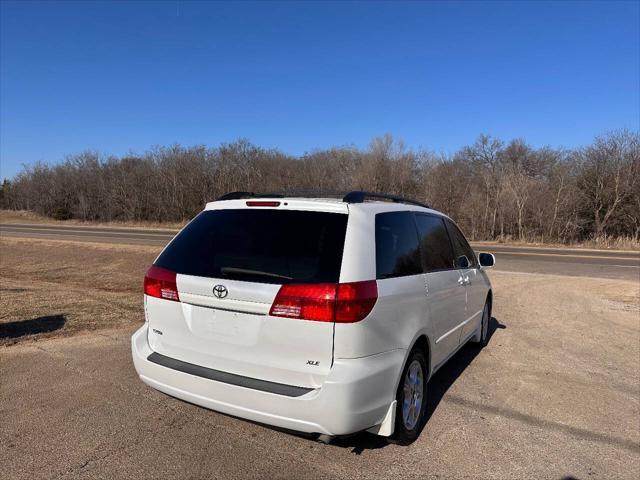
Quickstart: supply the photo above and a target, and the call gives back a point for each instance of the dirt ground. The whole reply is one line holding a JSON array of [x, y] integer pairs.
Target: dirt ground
[[555, 394]]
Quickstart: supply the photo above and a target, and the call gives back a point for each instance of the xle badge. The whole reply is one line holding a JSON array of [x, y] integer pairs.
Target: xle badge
[[315, 363]]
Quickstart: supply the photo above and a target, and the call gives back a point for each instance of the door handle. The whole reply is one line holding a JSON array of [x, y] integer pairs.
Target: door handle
[[462, 281]]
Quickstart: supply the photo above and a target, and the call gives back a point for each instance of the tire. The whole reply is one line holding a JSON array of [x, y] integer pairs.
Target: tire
[[481, 338], [410, 415]]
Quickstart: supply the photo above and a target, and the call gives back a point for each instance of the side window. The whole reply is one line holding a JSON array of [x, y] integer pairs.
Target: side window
[[397, 251], [461, 247], [434, 243]]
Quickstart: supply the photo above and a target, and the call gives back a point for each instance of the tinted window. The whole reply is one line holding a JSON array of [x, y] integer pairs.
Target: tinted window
[[267, 246], [434, 243], [461, 246], [397, 252]]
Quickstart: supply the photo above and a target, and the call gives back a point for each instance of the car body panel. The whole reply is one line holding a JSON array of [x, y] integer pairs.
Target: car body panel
[[236, 333], [447, 310], [355, 396], [398, 313], [476, 290]]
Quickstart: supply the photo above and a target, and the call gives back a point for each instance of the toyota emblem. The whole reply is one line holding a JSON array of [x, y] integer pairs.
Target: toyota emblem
[[220, 291]]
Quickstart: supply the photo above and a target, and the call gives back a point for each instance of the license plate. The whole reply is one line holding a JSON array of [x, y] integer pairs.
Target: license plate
[[225, 326]]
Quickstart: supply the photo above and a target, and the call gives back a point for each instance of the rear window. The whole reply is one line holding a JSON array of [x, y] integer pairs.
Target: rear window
[[266, 246], [397, 251]]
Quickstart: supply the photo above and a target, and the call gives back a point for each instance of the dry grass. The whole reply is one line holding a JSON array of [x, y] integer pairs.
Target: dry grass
[[616, 243], [92, 286], [608, 243], [27, 216]]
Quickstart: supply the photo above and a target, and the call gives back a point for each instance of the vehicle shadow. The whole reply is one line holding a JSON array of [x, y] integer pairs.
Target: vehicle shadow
[[436, 388], [450, 371], [32, 326]]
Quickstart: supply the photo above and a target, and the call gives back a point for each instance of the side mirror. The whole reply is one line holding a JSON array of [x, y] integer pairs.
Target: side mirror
[[487, 260], [462, 262]]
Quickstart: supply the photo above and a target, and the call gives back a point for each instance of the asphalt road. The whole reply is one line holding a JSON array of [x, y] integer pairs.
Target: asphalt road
[[559, 261], [136, 236]]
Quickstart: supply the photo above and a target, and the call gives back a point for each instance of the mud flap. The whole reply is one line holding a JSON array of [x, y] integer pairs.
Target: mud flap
[[388, 425]]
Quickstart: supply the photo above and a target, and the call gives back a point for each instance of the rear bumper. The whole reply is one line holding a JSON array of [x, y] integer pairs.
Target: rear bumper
[[355, 396]]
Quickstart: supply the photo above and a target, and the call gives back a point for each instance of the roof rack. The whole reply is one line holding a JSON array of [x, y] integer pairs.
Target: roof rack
[[235, 196], [291, 194], [356, 196], [361, 197]]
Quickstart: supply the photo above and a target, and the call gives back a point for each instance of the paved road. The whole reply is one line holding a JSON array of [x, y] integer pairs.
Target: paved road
[[624, 265], [89, 234], [559, 261]]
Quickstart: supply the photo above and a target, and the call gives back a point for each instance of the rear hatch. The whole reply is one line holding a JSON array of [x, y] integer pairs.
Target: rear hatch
[[229, 266]]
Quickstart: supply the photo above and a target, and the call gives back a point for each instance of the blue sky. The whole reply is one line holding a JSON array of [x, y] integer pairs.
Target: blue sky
[[120, 77]]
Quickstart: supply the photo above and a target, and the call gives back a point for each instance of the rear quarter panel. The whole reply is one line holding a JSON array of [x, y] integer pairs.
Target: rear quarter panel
[[400, 314], [398, 318]]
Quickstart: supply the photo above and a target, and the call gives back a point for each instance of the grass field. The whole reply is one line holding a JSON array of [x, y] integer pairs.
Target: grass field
[[85, 286]]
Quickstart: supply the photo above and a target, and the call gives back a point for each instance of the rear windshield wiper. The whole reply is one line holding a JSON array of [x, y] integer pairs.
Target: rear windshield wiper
[[247, 271]]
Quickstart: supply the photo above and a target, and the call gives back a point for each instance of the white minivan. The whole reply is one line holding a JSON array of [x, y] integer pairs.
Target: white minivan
[[320, 315]]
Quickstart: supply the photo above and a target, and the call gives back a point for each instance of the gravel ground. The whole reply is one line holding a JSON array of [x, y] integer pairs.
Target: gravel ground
[[556, 394]]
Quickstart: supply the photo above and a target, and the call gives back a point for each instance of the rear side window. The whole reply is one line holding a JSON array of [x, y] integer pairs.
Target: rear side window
[[266, 246], [435, 246], [397, 251], [461, 247]]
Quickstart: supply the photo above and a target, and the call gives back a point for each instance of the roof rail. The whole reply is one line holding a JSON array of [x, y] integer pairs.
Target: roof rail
[[351, 197], [360, 197], [292, 194], [236, 195]]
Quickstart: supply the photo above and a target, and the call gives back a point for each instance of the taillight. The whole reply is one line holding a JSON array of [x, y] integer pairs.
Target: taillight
[[326, 302], [305, 301], [355, 300], [161, 283]]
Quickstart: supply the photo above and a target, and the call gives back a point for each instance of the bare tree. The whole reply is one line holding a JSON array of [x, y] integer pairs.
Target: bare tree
[[491, 188], [609, 176]]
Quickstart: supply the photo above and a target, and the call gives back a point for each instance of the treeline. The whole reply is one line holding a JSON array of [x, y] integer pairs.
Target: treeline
[[493, 189]]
